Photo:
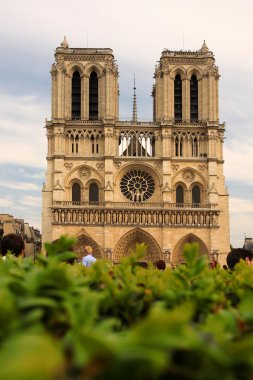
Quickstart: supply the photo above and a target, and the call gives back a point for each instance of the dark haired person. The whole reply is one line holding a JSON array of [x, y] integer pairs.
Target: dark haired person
[[160, 264], [238, 254], [13, 243]]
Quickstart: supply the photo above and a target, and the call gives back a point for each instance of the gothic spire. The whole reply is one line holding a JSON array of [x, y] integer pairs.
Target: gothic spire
[[64, 43], [204, 47], [134, 104]]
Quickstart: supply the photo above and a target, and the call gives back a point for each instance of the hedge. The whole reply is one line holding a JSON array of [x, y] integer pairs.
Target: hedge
[[62, 321]]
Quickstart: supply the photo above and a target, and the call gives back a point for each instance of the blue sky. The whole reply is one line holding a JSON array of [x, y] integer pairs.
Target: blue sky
[[137, 31]]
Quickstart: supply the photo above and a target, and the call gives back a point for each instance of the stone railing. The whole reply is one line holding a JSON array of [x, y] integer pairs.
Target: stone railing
[[104, 216], [135, 205]]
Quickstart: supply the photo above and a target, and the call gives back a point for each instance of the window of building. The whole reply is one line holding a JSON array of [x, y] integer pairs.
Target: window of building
[[76, 95], [196, 194], [178, 147], [179, 195], [93, 193], [178, 97], [137, 185], [195, 147], [76, 192], [93, 96], [194, 97]]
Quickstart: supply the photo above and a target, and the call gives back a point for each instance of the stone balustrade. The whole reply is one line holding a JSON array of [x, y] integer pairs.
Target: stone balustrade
[[135, 205], [101, 216]]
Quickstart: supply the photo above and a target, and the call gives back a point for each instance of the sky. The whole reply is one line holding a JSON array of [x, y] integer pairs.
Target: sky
[[137, 31]]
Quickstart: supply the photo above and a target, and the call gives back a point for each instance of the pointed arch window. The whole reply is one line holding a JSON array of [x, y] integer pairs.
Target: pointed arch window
[[76, 192], [76, 95], [93, 193], [195, 147], [178, 147], [194, 97], [93, 96], [178, 98], [196, 194], [179, 195]]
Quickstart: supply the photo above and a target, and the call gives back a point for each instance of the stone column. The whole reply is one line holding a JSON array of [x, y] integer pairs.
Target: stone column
[[210, 103], [54, 91]]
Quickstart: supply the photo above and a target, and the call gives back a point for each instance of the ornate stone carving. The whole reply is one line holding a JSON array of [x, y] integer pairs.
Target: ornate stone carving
[[175, 168], [108, 186], [166, 187], [108, 253], [158, 165], [53, 70], [84, 172], [100, 166], [117, 164], [188, 175], [201, 168], [68, 165]]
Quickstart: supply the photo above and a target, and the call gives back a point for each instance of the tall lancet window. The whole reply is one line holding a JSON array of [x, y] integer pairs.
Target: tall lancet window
[[196, 194], [76, 192], [194, 97], [179, 195], [76, 95], [93, 193], [93, 96], [178, 97]]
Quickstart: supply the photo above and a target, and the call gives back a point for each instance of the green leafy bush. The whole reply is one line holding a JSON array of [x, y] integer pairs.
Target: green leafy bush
[[62, 321]]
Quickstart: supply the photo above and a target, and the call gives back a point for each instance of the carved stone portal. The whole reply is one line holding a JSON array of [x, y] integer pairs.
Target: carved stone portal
[[128, 243]]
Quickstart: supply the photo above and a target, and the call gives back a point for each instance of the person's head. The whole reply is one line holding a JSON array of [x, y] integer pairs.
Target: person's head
[[142, 264], [13, 243], [88, 250], [213, 264], [236, 255], [160, 264]]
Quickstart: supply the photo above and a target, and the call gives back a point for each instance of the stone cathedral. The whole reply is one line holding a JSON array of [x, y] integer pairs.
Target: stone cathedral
[[113, 183]]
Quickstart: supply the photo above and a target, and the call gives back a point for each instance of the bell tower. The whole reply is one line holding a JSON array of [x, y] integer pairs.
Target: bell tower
[[186, 86]]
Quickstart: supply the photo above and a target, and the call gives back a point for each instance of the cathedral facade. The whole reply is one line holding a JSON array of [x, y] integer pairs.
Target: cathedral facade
[[113, 183]]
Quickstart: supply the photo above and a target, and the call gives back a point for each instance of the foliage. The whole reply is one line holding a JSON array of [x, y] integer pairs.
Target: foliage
[[62, 321]]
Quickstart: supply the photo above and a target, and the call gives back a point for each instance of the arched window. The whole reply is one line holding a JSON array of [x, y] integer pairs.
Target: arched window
[[195, 147], [179, 195], [196, 194], [93, 193], [178, 147], [178, 97], [76, 193], [194, 97], [76, 95], [93, 96]]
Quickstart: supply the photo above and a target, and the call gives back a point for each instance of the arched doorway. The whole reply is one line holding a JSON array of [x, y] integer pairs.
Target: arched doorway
[[84, 240], [129, 240], [178, 257]]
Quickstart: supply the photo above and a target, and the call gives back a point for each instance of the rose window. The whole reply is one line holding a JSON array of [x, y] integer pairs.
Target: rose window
[[137, 185]]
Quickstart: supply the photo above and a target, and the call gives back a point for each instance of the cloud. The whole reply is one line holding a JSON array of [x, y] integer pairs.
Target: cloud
[[241, 206], [238, 161], [27, 186], [4, 202], [31, 201]]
